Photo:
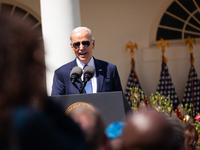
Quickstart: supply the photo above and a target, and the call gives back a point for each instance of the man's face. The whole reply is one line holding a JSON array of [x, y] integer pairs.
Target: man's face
[[80, 46]]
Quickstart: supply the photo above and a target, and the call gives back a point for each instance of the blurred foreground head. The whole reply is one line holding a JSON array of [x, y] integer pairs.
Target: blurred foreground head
[[22, 77], [148, 130], [179, 134], [191, 137], [92, 124]]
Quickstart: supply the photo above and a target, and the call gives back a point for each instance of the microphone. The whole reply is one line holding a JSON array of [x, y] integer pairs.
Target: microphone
[[75, 74], [88, 73]]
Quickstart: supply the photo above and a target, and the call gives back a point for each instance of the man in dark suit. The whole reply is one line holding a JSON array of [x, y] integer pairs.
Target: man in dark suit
[[106, 77]]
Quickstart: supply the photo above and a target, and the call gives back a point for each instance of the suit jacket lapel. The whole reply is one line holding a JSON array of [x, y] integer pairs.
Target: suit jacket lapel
[[99, 75], [73, 64]]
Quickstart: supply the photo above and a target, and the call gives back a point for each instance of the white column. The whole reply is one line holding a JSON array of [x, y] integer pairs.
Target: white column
[[59, 18]]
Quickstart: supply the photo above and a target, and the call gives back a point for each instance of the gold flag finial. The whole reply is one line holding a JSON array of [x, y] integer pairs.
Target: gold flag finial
[[190, 41], [162, 43], [130, 46]]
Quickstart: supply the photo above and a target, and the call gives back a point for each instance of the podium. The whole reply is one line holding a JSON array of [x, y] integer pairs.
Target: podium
[[113, 105]]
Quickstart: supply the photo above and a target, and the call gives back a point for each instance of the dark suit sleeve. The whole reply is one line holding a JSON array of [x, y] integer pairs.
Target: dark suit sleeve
[[58, 87], [117, 83]]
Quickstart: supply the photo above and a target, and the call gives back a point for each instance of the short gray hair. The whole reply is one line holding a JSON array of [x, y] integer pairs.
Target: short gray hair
[[78, 29]]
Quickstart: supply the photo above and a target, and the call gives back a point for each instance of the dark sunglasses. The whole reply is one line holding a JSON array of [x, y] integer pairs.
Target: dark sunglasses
[[84, 43]]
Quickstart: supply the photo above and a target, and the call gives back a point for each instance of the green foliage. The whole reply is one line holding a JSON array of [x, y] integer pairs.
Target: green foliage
[[159, 103], [162, 104]]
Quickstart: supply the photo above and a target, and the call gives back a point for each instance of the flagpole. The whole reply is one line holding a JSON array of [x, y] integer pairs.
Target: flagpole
[[190, 41], [163, 43], [165, 86], [133, 68], [130, 46], [191, 74]]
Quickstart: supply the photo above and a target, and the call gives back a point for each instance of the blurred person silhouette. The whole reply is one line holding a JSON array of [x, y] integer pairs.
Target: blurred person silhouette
[[92, 123], [191, 137], [29, 120], [147, 130], [114, 133]]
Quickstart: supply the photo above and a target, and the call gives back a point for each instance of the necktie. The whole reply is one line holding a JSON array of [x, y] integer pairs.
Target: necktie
[[88, 87]]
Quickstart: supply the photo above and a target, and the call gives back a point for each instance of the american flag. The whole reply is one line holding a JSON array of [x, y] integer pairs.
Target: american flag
[[192, 90], [166, 87], [132, 82]]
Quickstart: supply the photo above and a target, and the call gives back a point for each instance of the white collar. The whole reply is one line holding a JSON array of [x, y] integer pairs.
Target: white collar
[[81, 65]]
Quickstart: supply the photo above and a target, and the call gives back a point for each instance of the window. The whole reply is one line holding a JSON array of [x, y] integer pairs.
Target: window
[[23, 14], [180, 20]]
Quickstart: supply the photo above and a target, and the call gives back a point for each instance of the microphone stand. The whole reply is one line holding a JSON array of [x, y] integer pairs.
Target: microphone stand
[[79, 89], [87, 77], [83, 83], [75, 75], [82, 86]]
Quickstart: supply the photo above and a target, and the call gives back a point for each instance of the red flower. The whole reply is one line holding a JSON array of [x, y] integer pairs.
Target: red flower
[[197, 117]]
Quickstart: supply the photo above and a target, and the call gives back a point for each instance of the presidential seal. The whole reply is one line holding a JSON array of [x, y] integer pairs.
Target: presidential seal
[[78, 104]]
